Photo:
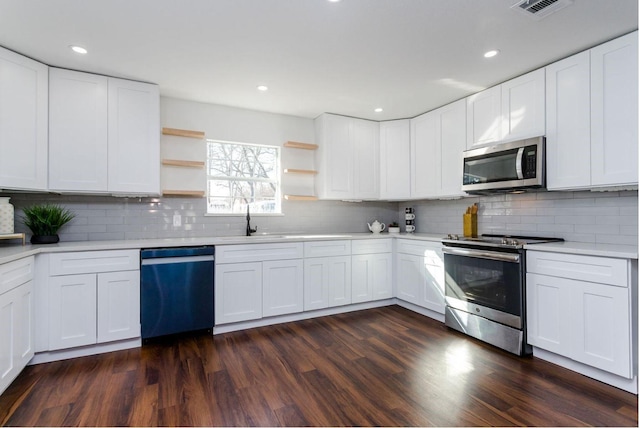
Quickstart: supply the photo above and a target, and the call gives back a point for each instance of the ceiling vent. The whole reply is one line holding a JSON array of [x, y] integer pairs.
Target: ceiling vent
[[538, 9]]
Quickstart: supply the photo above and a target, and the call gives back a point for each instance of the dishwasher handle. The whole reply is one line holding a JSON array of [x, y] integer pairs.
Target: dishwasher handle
[[176, 260], [158, 253]]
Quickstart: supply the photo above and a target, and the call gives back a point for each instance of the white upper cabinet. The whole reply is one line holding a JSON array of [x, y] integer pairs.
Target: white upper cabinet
[[104, 134], [24, 96], [348, 158], [510, 111], [77, 131], [484, 117], [523, 106], [568, 137], [592, 117], [395, 159], [437, 142], [614, 112], [134, 137]]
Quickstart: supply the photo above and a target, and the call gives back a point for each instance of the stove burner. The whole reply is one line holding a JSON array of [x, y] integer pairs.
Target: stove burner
[[501, 241]]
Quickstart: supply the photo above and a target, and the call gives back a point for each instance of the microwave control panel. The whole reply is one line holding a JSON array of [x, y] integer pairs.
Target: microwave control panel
[[530, 156]]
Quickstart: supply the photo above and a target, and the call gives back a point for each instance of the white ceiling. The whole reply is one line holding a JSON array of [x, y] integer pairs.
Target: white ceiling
[[406, 56]]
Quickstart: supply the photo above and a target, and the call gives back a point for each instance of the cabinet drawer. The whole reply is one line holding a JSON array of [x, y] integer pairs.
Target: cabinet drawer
[[93, 262], [258, 252], [327, 248], [371, 246], [15, 273], [419, 248], [601, 270]]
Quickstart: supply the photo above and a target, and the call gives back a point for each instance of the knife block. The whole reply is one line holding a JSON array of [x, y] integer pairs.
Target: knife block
[[470, 225]]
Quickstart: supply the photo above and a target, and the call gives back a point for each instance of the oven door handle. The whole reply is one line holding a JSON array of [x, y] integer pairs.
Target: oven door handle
[[480, 254]]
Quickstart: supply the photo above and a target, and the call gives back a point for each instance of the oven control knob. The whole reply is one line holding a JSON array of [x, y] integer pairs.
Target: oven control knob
[[454, 237]]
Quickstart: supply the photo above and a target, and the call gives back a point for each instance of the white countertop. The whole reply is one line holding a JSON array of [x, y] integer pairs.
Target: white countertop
[[588, 249], [14, 252]]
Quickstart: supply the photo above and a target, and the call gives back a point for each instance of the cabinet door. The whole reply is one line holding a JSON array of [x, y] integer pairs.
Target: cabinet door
[[484, 117], [410, 276], [603, 338], [282, 287], [395, 159], [365, 135], [77, 131], [614, 112], [316, 283], [432, 296], [72, 311], [549, 317], [24, 94], [134, 137], [453, 140], [381, 276], [238, 292], [16, 332], [523, 114], [361, 278], [339, 275], [425, 156], [118, 306], [335, 157], [568, 112]]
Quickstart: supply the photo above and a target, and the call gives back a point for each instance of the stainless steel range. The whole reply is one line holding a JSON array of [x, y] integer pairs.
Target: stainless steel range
[[485, 288]]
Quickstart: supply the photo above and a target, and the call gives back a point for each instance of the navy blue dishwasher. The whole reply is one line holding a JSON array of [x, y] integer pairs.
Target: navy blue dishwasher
[[176, 290]]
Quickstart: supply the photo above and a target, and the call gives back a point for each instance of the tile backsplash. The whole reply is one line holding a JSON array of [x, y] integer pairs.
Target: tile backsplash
[[597, 217], [108, 218], [603, 217]]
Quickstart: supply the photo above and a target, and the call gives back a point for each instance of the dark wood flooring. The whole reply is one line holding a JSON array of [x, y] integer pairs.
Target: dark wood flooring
[[384, 366]]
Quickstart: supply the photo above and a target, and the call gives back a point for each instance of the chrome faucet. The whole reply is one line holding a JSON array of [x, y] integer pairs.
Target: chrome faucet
[[249, 230]]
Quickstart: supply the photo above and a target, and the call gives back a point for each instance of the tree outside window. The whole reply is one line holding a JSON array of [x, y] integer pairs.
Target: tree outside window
[[241, 175]]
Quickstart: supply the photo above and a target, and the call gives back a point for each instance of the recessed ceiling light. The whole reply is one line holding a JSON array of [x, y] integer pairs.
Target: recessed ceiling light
[[78, 49], [263, 88], [334, 1], [491, 54], [378, 110]]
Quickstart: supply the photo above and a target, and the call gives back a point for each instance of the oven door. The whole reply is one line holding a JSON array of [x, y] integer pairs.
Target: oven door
[[485, 283]]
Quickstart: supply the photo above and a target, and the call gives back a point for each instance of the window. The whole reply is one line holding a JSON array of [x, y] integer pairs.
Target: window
[[241, 175]]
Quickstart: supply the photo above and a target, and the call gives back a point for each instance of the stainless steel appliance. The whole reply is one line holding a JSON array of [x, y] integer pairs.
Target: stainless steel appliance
[[513, 166], [485, 288], [176, 290]]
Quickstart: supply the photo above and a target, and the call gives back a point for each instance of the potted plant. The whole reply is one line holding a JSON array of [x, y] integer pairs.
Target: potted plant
[[44, 221], [394, 227]]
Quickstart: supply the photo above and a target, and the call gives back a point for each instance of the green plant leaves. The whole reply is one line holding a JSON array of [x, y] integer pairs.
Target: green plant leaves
[[46, 219]]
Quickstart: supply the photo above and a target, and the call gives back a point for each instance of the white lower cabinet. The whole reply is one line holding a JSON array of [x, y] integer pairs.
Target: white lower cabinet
[[420, 274], [282, 287], [327, 282], [580, 307], [371, 270], [16, 319], [92, 298], [258, 280], [238, 292]]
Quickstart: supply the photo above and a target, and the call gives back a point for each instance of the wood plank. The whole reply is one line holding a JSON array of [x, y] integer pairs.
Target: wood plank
[[183, 133], [297, 145], [183, 163], [300, 171], [187, 193], [300, 198], [386, 366]]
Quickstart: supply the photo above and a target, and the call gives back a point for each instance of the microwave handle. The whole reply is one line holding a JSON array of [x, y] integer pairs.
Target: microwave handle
[[519, 163]]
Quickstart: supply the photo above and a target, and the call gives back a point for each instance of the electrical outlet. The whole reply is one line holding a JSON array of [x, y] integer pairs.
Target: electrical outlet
[[177, 220]]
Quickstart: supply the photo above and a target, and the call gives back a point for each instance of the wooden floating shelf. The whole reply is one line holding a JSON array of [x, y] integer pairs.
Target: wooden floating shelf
[[300, 171], [296, 145], [183, 133], [189, 193], [300, 198], [183, 163]]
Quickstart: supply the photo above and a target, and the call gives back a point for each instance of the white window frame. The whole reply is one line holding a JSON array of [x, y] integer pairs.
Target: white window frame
[[277, 181]]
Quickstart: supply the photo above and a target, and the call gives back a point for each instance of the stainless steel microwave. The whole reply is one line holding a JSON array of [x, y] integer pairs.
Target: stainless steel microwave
[[513, 166]]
